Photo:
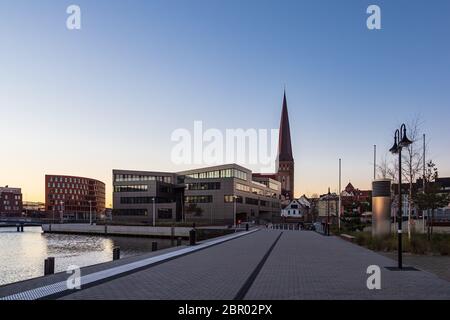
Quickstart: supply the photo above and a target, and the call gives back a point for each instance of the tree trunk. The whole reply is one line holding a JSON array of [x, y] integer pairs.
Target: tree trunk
[[409, 210], [428, 225], [432, 221]]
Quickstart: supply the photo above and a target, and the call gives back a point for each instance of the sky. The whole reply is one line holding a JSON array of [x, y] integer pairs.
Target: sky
[[109, 96]]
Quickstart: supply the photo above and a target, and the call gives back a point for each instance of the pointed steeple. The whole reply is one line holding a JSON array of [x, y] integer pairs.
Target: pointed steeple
[[284, 140]]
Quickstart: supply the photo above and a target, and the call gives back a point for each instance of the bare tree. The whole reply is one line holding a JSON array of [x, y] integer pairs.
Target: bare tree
[[412, 159], [387, 169]]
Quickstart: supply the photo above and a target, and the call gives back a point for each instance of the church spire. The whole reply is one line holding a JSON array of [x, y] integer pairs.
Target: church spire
[[284, 140]]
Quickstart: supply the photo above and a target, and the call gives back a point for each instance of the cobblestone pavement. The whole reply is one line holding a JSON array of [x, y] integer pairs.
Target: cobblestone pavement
[[302, 265], [439, 265], [20, 286], [306, 265], [217, 272]]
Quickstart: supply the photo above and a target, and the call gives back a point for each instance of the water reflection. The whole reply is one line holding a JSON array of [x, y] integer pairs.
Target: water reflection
[[22, 255]]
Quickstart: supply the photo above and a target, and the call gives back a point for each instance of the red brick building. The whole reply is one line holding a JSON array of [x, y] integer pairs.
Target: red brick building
[[355, 200], [10, 202], [73, 197]]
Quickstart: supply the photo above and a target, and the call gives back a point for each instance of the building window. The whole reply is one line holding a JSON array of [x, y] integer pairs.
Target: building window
[[198, 199], [242, 187], [165, 213], [165, 189], [224, 173], [228, 199], [137, 200], [203, 186], [130, 212], [136, 188], [257, 191], [251, 201]]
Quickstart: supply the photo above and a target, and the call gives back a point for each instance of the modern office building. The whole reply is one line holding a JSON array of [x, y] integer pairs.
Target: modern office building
[[215, 195], [73, 198], [10, 202], [137, 193]]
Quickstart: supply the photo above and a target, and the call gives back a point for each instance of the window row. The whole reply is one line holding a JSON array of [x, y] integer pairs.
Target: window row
[[244, 188], [67, 185], [224, 173], [7, 203], [143, 200], [140, 177], [68, 179], [68, 191], [9, 208], [135, 188], [64, 197], [203, 186], [15, 197], [198, 199]]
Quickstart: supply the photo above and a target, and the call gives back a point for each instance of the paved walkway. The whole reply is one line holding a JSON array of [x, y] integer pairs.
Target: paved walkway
[[439, 265], [270, 264]]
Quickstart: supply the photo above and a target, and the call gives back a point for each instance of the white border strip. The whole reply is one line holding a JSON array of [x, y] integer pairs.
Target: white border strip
[[61, 286]]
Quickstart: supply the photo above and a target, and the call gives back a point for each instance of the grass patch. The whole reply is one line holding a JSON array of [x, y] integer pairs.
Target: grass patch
[[418, 244]]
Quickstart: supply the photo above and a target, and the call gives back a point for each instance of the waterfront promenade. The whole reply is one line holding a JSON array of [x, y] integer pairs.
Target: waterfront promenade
[[261, 264]]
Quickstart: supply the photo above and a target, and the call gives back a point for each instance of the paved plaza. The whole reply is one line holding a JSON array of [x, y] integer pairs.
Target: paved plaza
[[266, 265]]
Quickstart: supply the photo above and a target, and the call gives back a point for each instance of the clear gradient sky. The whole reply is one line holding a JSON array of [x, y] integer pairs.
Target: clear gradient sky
[[109, 96]]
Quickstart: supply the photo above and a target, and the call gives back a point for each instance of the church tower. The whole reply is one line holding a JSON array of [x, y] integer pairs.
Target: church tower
[[285, 160]]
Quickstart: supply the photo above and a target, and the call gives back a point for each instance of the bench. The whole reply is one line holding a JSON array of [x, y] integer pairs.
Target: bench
[[347, 237]]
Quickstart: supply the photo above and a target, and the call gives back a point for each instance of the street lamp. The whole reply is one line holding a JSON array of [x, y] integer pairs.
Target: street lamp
[[328, 212], [62, 211], [154, 212], [90, 212], [234, 210], [400, 141]]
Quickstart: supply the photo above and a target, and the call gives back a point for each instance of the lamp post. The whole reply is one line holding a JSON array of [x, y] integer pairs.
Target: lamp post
[[90, 212], [340, 199], [328, 212], [400, 141], [154, 212], [62, 211], [234, 210]]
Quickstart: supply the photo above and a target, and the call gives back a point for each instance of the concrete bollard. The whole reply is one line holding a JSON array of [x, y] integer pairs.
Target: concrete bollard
[[116, 253], [192, 236], [154, 246], [49, 266], [246, 227], [178, 241]]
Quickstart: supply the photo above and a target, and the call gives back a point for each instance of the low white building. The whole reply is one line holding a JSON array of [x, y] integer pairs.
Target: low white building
[[297, 208]]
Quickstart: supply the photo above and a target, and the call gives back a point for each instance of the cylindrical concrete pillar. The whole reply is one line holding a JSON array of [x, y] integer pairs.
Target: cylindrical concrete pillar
[[381, 207]]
